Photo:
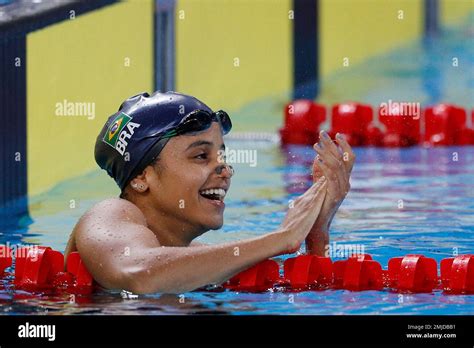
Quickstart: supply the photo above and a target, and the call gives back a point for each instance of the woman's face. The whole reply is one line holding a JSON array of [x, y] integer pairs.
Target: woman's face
[[186, 186]]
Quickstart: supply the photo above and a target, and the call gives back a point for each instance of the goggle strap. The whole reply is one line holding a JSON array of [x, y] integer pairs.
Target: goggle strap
[[170, 133]]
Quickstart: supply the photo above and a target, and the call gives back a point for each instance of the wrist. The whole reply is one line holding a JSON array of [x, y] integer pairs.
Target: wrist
[[317, 240], [317, 244], [319, 228], [285, 242]]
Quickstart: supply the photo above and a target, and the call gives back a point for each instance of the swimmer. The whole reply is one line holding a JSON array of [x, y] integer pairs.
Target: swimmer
[[163, 151]]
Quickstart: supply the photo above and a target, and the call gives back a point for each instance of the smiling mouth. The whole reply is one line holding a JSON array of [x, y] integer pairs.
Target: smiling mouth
[[215, 194]]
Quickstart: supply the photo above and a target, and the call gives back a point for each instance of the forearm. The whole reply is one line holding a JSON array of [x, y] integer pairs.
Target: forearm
[[181, 269]]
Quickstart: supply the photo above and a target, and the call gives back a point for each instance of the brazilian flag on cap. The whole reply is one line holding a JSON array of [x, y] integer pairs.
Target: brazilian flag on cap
[[115, 128]]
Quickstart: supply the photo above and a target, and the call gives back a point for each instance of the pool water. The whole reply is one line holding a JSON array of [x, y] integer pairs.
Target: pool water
[[402, 201]]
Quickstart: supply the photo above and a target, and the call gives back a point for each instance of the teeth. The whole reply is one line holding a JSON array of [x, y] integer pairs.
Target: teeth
[[216, 191]]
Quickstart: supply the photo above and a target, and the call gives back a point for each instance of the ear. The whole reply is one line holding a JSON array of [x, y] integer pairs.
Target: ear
[[139, 183]]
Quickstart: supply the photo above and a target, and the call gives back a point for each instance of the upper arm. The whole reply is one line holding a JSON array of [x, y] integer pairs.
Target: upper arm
[[111, 239]]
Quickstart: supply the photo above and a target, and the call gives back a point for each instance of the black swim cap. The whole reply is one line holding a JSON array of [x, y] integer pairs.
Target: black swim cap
[[131, 138]]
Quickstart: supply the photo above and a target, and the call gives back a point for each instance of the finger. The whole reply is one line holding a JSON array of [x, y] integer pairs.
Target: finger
[[312, 189], [337, 165], [328, 144], [337, 179], [315, 172], [339, 170], [320, 181], [316, 186], [315, 193], [320, 195], [348, 155], [323, 167]]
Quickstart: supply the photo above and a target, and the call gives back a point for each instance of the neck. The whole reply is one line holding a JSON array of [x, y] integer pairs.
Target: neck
[[170, 230]]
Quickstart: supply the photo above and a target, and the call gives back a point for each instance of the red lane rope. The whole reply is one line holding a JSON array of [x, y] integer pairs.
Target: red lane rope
[[396, 125], [42, 268]]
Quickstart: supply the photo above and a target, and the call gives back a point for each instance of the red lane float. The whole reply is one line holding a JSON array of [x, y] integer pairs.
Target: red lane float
[[258, 278], [40, 268], [302, 121], [401, 130], [308, 272], [36, 267], [77, 278], [358, 273], [457, 274], [352, 120], [466, 136], [374, 136], [76, 267], [413, 273], [443, 124], [5, 258]]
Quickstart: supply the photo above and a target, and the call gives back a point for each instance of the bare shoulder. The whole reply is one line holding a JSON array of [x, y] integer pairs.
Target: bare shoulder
[[107, 232], [115, 209], [105, 218], [109, 216]]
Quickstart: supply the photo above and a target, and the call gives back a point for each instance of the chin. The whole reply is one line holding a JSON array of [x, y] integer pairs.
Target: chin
[[214, 224]]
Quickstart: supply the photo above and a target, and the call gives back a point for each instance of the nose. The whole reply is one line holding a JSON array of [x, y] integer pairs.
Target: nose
[[229, 170]]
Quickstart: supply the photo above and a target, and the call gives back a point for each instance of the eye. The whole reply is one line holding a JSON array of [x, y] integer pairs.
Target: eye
[[201, 156]]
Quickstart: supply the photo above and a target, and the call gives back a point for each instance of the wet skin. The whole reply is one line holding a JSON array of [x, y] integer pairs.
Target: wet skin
[[145, 243]]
